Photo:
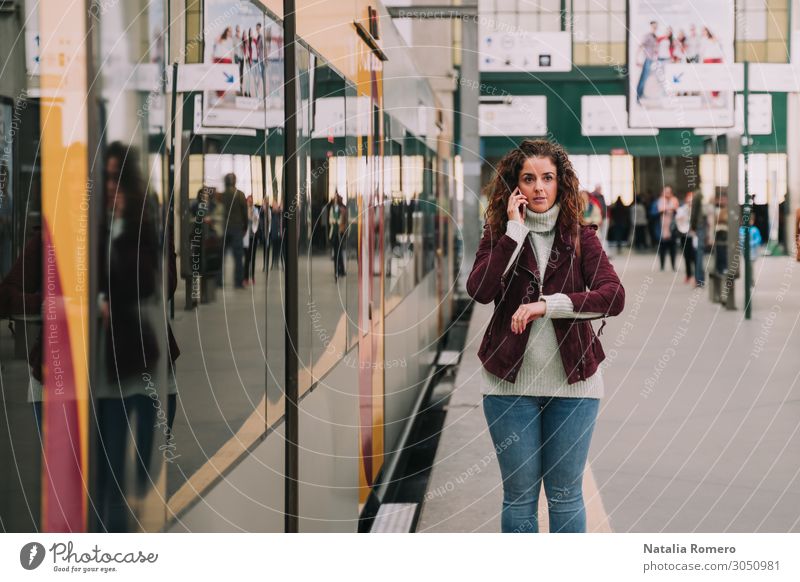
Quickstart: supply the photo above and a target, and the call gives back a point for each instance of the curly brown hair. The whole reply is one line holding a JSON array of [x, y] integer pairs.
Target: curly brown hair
[[506, 179]]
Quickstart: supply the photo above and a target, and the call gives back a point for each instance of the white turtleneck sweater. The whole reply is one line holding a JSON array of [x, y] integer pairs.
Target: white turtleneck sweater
[[542, 372]]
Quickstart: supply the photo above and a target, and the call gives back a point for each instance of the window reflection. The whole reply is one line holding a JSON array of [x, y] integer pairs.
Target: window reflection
[[330, 221]]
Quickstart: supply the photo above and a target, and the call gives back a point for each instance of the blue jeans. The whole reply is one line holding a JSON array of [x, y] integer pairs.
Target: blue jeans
[[234, 242], [541, 439], [699, 267], [648, 63]]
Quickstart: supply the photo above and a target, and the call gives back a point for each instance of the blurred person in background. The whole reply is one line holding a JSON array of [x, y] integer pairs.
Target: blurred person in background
[[236, 223], [685, 239], [639, 219], [667, 207], [600, 201], [619, 229]]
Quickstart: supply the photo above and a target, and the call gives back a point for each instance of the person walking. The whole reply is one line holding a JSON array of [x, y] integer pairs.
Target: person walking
[[250, 242], [667, 207], [698, 226], [599, 200], [236, 223], [620, 226], [275, 233], [337, 225], [683, 225], [547, 273], [639, 211]]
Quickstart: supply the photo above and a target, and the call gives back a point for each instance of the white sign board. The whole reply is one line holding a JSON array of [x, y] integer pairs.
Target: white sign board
[[520, 50], [774, 77], [606, 115], [513, 115], [760, 117], [679, 35], [205, 77]]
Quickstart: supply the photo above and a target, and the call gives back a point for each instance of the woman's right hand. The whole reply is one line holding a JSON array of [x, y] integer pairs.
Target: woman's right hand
[[516, 200]]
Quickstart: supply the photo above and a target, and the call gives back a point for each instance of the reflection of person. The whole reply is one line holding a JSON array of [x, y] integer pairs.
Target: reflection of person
[[275, 233], [667, 207], [542, 380], [21, 294], [649, 47], [236, 223], [133, 360], [337, 225], [250, 243]]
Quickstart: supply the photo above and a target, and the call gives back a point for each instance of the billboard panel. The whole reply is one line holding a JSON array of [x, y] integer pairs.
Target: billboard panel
[[240, 36], [666, 33]]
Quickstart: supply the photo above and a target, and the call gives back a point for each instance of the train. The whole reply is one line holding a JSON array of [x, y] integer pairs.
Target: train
[[225, 284]]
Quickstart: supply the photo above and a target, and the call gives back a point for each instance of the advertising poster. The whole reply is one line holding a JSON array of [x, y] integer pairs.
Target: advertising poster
[[666, 36], [237, 33]]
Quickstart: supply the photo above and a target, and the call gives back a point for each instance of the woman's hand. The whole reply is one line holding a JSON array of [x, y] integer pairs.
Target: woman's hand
[[516, 199], [526, 313]]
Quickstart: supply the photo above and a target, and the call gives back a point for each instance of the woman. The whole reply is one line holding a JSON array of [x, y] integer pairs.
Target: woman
[[222, 51], [711, 51], [130, 303], [546, 273]]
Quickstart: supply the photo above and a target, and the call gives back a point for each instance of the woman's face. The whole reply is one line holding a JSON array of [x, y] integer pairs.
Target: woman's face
[[539, 183]]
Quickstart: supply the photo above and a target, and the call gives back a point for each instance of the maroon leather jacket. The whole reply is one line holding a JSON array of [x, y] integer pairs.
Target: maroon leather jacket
[[588, 280]]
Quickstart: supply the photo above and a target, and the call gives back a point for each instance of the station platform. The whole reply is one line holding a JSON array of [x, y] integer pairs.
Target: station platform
[[698, 429]]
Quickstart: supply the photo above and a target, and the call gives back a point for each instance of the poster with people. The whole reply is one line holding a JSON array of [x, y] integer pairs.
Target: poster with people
[[239, 33], [666, 33]]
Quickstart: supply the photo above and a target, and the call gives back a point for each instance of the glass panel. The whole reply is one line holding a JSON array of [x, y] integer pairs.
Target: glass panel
[[353, 133], [223, 224], [20, 306], [329, 221], [305, 85], [134, 389]]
